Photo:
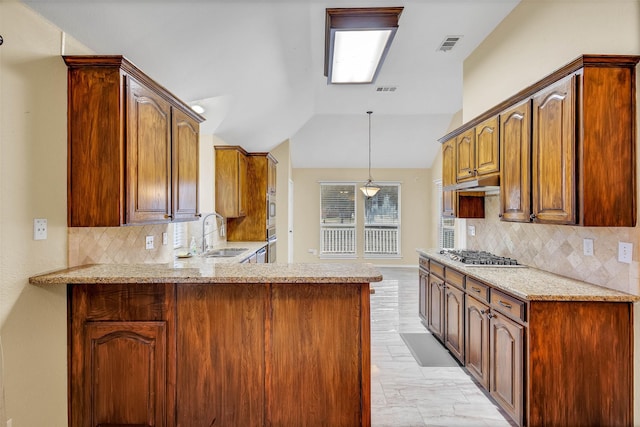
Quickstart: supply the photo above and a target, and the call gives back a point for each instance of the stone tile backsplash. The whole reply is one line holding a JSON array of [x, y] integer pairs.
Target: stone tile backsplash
[[559, 248]]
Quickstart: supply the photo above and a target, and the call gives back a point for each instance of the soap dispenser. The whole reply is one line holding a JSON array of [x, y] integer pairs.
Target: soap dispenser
[[193, 247]]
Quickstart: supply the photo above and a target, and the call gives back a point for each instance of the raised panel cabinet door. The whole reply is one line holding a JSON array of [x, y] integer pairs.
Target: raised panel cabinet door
[[448, 178], [185, 148], [435, 321], [515, 169], [231, 181], [454, 321], [466, 155], [554, 153], [422, 295], [506, 346], [487, 147], [477, 340], [125, 372], [148, 180]]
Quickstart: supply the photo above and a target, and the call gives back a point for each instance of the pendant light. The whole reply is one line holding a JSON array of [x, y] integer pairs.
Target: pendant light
[[369, 189]]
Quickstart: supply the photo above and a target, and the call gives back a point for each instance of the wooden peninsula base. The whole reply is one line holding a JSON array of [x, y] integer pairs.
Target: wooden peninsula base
[[199, 352]]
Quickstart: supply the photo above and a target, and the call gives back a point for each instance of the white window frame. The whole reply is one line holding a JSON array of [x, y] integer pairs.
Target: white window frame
[[446, 226]]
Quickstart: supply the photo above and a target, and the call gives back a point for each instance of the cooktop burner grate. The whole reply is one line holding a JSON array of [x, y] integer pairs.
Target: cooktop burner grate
[[480, 258]]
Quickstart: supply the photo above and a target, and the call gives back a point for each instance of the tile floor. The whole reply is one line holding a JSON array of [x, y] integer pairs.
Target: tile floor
[[403, 394]]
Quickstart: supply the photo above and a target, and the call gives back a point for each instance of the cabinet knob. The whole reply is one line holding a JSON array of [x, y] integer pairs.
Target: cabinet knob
[[490, 315], [532, 217], [199, 215], [168, 216], [500, 215], [470, 172]]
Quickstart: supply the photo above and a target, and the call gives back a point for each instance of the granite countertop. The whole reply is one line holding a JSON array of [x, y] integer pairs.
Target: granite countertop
[[533, 284], [199, 269]]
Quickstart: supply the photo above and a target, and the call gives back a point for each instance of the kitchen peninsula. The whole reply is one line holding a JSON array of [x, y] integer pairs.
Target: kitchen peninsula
[[188, 344]]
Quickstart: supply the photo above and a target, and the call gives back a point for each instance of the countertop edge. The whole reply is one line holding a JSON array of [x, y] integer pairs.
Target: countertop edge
[[565, 289]]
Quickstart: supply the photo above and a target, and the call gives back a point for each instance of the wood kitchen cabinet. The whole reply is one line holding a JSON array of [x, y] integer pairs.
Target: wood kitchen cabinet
[[477, 151], [128, 164], [448, 178], [254, 225], [540, 360], [515, 146], [121, 338], [231, 181]]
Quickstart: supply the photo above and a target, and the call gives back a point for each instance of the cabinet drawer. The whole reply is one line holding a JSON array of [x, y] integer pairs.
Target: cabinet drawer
[[424, 263], [477, 289], [436, 268], [508, 305], [455, 278]]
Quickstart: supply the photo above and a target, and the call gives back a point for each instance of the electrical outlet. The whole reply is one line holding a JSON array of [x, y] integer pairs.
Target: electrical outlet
[[165, 238], [587, 247], [149, 242], [39, 229], [471, 230], [625, 251]]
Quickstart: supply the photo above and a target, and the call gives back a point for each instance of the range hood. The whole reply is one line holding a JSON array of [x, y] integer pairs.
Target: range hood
[[483, 183]]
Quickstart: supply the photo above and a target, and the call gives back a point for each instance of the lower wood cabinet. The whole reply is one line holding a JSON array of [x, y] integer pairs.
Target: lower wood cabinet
[[191, 355], [545, 363], [454, 321]]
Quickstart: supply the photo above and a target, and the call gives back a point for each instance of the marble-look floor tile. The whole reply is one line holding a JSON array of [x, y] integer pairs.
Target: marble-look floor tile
[[404, 394]]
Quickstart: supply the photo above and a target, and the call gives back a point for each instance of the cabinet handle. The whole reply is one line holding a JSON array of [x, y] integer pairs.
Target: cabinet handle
[[198, 215], [475, 289], [484, 311], [532, 217], [500, 215], [168, 216], [491, 315], [470, 172], [504, 304]]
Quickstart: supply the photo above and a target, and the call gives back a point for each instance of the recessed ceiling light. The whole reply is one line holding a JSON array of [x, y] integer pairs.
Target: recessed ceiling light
[[197, 108]]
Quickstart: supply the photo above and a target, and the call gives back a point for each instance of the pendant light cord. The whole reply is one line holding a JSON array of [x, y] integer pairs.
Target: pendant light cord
[[369, 113]]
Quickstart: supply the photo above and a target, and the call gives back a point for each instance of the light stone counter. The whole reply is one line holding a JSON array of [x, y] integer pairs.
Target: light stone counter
[[211, 273], [533, 284]]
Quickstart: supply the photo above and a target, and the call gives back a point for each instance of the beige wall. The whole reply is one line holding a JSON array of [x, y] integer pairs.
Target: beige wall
[[33, 90], [417, 188], [534, 40]]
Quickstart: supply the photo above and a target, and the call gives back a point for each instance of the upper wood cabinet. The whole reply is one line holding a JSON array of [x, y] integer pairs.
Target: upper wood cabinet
[[127, 161], [448, 178], [515, 146], [579, 124], [261, 175], [231, 181], [477, 151]]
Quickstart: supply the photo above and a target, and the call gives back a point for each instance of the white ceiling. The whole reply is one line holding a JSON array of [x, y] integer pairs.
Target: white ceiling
[[257, 68]]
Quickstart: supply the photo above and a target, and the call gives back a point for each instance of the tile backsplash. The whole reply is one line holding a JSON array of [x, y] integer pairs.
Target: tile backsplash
[[559, 248]]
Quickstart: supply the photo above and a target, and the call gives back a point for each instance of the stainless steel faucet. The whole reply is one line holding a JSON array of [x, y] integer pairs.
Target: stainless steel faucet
[[204, 229]]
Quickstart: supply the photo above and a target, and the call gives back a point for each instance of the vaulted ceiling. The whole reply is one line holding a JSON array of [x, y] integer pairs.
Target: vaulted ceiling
[[257, 67]]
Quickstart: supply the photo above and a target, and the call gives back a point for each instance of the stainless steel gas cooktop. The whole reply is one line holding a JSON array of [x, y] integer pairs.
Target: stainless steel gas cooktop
[[480, 258]]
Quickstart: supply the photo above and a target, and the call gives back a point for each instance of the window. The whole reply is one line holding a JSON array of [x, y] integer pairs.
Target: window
[[180, 235], [446, 226], [337, 219], [382, 222]]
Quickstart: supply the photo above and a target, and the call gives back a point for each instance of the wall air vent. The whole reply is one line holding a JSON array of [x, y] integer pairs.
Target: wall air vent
[[386, 88], [449, 43]]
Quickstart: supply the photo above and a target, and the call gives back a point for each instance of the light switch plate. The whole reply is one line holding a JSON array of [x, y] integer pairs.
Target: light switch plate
[[39, 229], [149, 242], [587, 247], [625, 252]]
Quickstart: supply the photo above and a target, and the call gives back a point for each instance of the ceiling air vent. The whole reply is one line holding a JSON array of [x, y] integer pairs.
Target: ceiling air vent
[[386, 88], [448, 43]]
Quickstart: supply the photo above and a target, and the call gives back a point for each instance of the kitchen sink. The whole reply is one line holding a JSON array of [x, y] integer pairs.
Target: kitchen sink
[[226, 252]]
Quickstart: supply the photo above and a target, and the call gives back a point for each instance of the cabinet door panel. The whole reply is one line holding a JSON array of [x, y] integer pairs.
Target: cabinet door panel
[[454, 321], [515, 145], [149, 155], [436, 307], [448, 178], [487, 147], [507, 353], [423, 289], [465, 155], [477, 340], [554, 153], [185, 167], [125, 373]]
